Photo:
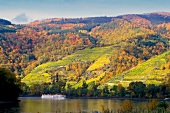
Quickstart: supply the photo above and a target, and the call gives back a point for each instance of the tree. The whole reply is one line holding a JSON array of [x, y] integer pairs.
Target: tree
[[92, 89], [68, 90], [120, 90], [45, 88], [25, 89], [114, 91], [84, 88], [151, 91], [105, 91], [137, 89], [9, 85], [35, 90]]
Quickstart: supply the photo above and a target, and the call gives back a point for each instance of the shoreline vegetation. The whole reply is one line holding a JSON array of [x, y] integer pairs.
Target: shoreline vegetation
[[136, 90], [114, 98]]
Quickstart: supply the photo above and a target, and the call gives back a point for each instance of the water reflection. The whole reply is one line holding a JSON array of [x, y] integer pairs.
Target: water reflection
[[38, 105], [69, 105]]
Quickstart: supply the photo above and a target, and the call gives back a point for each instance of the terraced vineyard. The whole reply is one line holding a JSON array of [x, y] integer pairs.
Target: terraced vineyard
[[40, 74], [148, 72]]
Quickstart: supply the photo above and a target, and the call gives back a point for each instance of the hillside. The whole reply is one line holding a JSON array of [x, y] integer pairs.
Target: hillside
[[154, 71], [43, 72], [119, 30], [92, 49], [97, 64]]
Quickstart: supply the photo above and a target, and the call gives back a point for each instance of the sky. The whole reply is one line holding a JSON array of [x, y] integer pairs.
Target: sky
[[25, 11]]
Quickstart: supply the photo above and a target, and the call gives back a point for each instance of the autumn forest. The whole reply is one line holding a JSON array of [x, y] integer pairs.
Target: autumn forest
[[89, 53]]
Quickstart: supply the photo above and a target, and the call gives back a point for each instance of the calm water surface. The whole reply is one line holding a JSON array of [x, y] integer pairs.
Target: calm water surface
[[38, 105]]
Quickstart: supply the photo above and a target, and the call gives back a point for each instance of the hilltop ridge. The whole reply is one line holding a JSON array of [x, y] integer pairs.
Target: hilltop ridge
[[4, 22]]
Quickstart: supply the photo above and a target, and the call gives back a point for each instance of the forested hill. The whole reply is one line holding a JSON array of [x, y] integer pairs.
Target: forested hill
[[93, 49], [6, 26], [154, 18], [4, 22]]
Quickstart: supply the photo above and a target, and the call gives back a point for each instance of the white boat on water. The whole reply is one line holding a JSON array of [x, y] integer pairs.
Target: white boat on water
[[56, 96], [167, 99]]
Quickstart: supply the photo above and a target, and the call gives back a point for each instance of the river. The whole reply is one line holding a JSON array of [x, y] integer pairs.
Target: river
[[38, 105]]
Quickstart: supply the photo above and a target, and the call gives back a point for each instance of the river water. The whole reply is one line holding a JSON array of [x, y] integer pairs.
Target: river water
[[38, 105]]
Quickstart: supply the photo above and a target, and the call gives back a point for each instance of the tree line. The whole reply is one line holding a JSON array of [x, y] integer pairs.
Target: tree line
[[134, 90]]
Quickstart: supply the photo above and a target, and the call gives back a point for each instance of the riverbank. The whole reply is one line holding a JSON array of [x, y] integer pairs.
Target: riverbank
[[114, 98]]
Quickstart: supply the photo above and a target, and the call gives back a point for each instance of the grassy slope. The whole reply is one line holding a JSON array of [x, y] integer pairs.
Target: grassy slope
[[39, 75], [144, 72]]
